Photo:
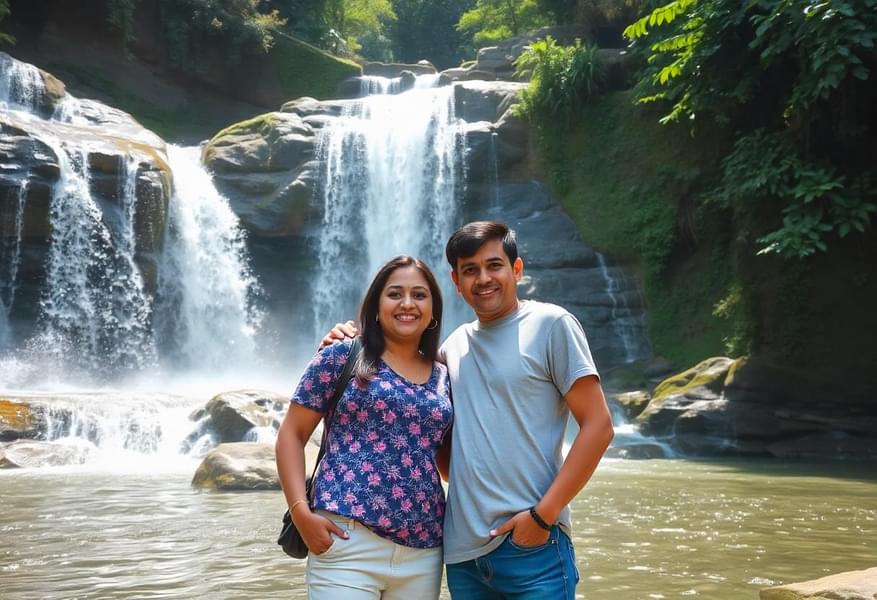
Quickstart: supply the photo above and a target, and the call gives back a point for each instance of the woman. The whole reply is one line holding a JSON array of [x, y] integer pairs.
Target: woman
[[373, 527]]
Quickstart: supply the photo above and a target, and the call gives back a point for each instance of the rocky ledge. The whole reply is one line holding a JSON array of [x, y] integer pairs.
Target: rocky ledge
[[724, 406]]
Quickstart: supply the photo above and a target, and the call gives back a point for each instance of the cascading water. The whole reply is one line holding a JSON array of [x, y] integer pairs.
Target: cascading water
[[207, 311], [391, 174], [94, 298], [21, 85], [10, 257], [629, 329], [97, 316], [370, 85]]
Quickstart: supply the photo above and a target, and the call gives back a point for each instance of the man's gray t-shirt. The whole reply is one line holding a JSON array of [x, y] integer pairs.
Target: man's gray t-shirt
[[508, 378]]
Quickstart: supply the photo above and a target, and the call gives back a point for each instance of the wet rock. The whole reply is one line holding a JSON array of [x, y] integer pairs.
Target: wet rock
[[248, 466], [308, 107], [744, 407], [693, 397], [637, 451], [470, 73], [271, 142], [231, 415], [392, 70], [631, 404], [852, 585], [238, 467], [407, 79], [265, 168], [349, 88], [481, 100], [36, 454], [20, 419]]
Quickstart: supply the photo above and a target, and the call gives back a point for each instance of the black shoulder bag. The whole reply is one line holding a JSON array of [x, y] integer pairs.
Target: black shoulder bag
[[290, 539]]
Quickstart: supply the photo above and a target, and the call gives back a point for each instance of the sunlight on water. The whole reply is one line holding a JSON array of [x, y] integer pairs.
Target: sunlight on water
[[643, 529]]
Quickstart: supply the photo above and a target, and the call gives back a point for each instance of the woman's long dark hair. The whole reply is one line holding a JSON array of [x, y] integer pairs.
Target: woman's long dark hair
[[373, 336]]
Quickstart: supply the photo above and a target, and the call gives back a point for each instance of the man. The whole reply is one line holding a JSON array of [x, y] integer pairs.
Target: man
[[516, 374]]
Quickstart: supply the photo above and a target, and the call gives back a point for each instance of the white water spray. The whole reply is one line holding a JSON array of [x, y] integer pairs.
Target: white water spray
[[208, 313], [391, 171]]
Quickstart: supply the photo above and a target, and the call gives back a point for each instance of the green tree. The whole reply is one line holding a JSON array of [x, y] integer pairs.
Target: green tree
[[189, 27], [428, 29], [354, 19], [797, 77], [305, 19], [491, 21]]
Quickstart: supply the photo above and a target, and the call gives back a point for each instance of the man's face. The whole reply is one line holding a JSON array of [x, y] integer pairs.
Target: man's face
[[488, 281]]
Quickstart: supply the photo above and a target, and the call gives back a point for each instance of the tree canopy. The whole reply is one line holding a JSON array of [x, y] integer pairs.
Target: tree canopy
[[796, 77]]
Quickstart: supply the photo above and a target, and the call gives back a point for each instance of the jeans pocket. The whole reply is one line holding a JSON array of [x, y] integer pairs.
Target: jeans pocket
[[522, 548]]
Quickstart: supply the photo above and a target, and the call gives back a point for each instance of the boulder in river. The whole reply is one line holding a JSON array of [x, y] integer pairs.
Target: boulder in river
[[246, 466], [231, 415], [19, 419], [36, 453], [851, 585], [238, 467]]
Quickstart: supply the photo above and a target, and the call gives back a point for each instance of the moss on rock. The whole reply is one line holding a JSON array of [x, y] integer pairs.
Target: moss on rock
[[305, 70], [709, 373], [261, 124]]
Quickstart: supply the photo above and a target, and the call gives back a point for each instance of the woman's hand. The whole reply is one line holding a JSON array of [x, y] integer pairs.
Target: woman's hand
[[316, 530]]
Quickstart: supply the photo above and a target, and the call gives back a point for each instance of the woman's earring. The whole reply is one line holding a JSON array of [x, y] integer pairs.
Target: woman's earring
[[377, 318], [434, 324]]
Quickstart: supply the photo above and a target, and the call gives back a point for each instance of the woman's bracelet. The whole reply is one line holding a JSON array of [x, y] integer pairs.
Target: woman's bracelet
[[539, 520], [294, 504]]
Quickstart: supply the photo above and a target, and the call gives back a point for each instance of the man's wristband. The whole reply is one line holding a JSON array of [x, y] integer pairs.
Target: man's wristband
[[539, 520]]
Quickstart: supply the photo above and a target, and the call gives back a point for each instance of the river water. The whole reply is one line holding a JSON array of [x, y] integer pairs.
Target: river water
[[643, 529]]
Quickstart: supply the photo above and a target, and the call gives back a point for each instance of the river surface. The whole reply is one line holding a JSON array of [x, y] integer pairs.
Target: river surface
[[643, 529]]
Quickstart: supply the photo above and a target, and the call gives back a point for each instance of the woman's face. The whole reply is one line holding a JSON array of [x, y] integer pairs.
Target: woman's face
[[405, 307]]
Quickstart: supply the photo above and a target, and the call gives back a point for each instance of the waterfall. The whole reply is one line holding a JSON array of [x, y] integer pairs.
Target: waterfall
[[391, 173], [94, 298], [629, 329], [10, 258], [21, 85], [99, 316], [207, 310], [370, 85], [493, 165]]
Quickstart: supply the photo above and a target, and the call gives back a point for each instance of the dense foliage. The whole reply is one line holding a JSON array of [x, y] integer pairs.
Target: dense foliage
[[188, 27], [797, 78], [5, 38], [491, 21], [562, 78], [354, 20], [428, 30]]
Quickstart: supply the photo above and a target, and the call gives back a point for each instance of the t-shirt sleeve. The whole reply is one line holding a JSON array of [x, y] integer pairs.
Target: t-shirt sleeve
[[317, 383], [569, 356]]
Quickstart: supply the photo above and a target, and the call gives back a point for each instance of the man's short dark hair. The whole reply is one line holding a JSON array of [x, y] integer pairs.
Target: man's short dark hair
[[469, 238]]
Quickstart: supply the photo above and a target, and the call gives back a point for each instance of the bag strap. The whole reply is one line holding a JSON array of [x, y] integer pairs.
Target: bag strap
[[340, 387]]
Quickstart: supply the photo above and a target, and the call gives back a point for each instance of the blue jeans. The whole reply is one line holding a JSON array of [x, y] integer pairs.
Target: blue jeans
[[546, 572]]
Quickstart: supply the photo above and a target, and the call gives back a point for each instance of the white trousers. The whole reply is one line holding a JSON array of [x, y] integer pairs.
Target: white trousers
[[366, 566]]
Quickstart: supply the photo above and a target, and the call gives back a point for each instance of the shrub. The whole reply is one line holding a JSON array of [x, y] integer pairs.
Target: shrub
[[562, 78]]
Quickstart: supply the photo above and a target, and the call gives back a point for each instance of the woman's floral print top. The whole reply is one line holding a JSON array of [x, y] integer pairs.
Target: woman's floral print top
[[379, 467]]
